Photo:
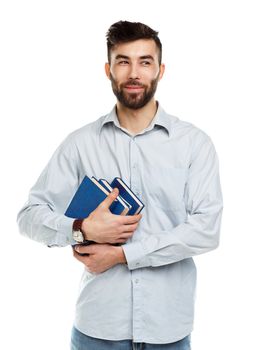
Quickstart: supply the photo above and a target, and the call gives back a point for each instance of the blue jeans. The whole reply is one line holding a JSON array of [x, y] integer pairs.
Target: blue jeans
[[81, 341]]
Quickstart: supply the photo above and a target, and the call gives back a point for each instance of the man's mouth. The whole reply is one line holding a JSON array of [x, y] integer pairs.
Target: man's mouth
[[133, 87]]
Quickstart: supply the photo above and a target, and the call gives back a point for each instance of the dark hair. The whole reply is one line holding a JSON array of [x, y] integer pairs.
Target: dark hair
[[124, 32]]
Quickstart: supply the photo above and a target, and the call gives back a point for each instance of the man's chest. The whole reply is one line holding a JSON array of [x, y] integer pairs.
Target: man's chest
[[156, 168]]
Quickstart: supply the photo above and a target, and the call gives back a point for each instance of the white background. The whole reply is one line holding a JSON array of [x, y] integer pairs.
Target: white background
[[52, 82]]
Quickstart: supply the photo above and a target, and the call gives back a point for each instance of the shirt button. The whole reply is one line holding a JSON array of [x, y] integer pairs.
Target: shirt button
[[136, 281], [137, 264]]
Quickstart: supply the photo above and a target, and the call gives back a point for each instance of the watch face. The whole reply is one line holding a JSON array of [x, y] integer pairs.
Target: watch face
[[78, 236]]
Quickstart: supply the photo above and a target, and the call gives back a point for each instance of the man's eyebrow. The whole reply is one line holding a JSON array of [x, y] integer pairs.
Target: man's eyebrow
[[118, 57], [147, 57]]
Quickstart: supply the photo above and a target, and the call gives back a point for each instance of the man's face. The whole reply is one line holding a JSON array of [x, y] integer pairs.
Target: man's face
[[134, 72]]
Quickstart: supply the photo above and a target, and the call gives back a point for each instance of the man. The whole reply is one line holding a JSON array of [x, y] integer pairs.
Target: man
[[137, 290]]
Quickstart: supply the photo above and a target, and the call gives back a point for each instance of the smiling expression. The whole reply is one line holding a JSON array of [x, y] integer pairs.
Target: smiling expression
[[134, 72]]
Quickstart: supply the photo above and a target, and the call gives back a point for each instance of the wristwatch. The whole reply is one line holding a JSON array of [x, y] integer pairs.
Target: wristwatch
[[76, 231]]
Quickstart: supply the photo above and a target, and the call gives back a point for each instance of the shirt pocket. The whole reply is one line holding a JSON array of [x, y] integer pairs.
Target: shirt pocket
[[166, 186]]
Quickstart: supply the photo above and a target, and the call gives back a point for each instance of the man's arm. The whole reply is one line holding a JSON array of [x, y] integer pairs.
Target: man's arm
[[200, 232], [42, 217]]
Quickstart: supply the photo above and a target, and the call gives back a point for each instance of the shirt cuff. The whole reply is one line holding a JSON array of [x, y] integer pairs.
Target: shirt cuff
[[135, 255], [63, 236]]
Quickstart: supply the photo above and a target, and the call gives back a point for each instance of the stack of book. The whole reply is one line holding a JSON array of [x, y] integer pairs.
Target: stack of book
[[92, 192]]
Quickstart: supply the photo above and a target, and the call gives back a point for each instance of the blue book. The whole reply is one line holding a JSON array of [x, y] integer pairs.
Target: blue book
[[106, 184], [87, 198], [129, 196], [114, 205]]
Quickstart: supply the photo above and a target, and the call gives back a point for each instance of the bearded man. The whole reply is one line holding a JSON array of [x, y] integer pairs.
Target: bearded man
[[138, 284]]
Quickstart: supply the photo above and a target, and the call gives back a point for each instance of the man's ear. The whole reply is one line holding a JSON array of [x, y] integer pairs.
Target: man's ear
[[162, 70], [107, 70]]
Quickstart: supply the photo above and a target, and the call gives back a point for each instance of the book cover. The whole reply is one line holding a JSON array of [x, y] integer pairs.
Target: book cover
[[87, 198], [126, 193]]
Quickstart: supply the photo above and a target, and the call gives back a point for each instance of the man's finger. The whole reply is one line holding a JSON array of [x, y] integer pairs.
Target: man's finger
[[110, 198], [79, 257], [83, 249], [131, 219], [130, 227]]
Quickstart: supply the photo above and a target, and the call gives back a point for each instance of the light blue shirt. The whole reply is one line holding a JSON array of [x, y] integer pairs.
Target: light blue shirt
[[173, 167]]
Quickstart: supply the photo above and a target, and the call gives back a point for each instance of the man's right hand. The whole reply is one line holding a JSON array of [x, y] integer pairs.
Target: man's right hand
[[102, 226]]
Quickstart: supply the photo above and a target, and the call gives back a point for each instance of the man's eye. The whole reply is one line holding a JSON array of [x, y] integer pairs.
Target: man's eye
[[123, 62], [145, 63]]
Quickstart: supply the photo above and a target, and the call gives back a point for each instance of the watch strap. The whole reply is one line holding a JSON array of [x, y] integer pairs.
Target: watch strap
[[77, 225]]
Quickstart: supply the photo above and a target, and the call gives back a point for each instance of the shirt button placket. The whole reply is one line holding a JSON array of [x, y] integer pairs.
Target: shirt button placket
[[137, 304], [136, 280], [134, 167]]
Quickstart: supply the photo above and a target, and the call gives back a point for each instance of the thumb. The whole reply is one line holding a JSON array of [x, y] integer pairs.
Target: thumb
[[110, 198]]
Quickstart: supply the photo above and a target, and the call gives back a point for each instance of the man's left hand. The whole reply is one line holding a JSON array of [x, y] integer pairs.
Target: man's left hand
[[100, 258]]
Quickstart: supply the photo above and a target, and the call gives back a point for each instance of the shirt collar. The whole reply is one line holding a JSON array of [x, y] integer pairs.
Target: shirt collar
[[161, 118]]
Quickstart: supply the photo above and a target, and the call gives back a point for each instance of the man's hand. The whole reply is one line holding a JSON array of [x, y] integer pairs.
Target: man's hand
[[102, 226], [101, 256]]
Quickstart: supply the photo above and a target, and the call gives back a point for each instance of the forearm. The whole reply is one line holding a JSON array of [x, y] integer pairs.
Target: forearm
[[166, 247], [43, 225]]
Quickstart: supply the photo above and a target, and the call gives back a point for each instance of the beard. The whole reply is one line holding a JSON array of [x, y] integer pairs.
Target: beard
[[134, 100]]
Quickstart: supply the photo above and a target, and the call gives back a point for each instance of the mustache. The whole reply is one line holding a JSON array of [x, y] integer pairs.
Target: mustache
[[132, 83]]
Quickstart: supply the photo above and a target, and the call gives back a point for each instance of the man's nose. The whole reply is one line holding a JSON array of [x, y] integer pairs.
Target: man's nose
[[134, 72]]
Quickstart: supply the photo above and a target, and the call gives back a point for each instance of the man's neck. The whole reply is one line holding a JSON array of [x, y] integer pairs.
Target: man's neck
[[136, 120]]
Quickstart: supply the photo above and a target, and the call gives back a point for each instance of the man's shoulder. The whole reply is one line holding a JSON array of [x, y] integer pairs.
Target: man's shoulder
[[184, 128], [90, 128], [85, 134]]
